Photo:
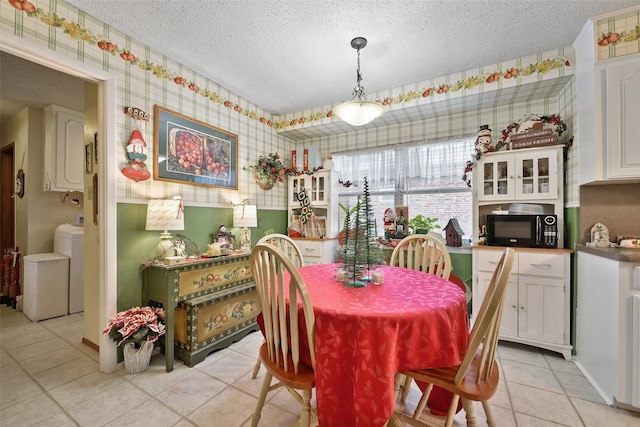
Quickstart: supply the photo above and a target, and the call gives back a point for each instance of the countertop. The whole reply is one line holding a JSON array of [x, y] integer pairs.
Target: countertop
[[616, 254], [517, 248]]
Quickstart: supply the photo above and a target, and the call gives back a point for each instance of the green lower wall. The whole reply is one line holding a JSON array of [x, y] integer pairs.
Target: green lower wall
[[462, 267], [136, 245]]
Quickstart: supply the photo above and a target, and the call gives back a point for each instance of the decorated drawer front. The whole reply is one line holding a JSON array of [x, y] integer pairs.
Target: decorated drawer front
[[541, 264], [210, 318], [488, 260], [200, 281]]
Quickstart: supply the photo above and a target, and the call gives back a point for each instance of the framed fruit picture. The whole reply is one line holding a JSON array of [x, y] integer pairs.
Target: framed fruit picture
[[189, 151]]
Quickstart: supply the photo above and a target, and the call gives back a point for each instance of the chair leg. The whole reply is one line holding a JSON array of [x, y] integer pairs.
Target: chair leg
[[405, 389], [491, 422], [472, 421], [396, 385], [305, 414], [256, 368], [266, 384], [452, 410], [423, 401]]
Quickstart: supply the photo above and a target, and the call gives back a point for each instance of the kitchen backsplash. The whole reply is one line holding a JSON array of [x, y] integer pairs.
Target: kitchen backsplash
[[617, 206]]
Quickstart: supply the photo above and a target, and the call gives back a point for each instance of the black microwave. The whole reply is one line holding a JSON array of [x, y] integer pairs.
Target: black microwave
[[527, 231]]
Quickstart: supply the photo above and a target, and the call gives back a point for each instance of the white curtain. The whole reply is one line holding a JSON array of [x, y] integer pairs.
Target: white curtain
[[410, 167]]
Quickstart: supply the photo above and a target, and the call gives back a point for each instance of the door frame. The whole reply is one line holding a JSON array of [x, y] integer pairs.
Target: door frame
[[107, 168]]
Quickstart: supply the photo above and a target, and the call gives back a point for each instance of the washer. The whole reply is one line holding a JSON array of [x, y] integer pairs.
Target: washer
[[69, 240]]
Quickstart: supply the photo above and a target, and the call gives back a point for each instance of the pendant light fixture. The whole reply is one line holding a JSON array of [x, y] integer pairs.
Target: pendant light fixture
[[358, 111]]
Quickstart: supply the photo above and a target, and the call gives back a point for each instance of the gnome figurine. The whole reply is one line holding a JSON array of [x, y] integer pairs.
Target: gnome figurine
[[137, 153]]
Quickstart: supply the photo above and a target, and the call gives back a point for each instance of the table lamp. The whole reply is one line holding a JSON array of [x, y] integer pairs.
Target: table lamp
[[245, 216], [165, 215]]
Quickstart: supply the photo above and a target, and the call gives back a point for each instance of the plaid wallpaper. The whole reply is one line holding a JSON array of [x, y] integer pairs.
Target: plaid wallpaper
[[149, 80]]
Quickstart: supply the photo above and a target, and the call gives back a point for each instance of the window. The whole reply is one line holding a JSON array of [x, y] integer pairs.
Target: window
[[426, 177]]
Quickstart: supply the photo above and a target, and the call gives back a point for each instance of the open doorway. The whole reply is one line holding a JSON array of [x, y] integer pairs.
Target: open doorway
[[7, 207], [105, 264]]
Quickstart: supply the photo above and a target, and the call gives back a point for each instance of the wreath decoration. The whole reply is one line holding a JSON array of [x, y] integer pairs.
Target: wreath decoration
[[503, 141]]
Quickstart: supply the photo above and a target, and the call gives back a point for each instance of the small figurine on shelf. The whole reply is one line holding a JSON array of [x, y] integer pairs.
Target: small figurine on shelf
[[223, 238], [483, 143], [600, 235]]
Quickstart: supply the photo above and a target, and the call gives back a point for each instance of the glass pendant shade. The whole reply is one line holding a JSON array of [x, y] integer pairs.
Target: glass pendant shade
[[358, 112]]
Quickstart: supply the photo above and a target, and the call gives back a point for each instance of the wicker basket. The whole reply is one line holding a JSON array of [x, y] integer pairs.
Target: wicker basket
[[266, 181]]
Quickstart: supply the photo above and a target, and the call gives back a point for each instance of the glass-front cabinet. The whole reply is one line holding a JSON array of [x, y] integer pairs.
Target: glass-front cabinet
[[513, 175], [536, 175], [313, 215], [316, 185]]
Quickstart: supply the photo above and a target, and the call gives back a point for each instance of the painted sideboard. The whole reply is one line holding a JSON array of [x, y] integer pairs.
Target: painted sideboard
[[209, 303]]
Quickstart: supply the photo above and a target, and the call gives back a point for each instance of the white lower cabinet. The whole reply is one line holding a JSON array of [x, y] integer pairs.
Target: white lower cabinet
[[608, 325], [537, 303], [317, 251]]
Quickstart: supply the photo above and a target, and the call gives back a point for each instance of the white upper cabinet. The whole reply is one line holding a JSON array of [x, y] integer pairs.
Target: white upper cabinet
[[608, 102], [622, 119], [64, 151], [529, 174]]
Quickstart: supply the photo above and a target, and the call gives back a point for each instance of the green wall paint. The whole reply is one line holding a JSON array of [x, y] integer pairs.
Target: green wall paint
[[462, 267], [136, 245]]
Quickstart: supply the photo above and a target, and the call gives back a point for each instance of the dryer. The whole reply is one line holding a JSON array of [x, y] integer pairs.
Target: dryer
[[69, 240]]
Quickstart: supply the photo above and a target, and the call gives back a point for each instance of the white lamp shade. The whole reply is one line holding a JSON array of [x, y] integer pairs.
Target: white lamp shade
[[358, 112], [245, 216], [165, 215]]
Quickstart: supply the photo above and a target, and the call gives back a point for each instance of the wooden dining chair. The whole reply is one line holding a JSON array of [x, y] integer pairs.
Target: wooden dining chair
[[281, 352], [476, 377], [292, 251], [287, 245], [422, 252]]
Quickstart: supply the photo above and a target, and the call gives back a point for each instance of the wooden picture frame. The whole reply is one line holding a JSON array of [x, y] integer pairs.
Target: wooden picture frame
[[95, 198], [88, 158], [188, 151], [95, 147]]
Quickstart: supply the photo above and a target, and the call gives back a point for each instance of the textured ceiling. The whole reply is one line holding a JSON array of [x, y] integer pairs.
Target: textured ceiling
[[287, 56]]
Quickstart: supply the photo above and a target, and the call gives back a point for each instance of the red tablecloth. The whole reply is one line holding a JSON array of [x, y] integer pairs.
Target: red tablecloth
[[365, 335]]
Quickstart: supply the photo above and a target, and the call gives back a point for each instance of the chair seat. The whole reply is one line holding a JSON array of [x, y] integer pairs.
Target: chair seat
[[304, 380], [468, 387]]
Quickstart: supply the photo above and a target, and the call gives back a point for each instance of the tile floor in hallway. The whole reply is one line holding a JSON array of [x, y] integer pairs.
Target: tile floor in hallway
[[48, 378]]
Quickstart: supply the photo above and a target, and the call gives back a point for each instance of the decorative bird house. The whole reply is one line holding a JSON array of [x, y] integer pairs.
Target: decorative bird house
[[453, 233]]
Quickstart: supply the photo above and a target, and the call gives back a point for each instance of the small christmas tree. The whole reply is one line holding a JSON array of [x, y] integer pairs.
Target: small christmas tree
[[361, 250]]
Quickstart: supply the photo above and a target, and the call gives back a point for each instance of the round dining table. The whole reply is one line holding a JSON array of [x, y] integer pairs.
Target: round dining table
[[364, 336]]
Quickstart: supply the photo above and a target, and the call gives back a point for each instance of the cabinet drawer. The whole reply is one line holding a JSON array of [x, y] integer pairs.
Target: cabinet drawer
[[312, 260], [488, 260], [310, 248], [541, 264]]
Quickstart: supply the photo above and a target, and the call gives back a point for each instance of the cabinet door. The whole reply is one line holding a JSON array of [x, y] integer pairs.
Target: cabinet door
[[541, 309], [536, 175], [296, 184], [319, 191], [509, 322], [496, 175], [64, 150], [622, 94]]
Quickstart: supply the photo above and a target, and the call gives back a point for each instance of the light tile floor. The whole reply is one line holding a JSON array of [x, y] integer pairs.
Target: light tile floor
[[48, 378]]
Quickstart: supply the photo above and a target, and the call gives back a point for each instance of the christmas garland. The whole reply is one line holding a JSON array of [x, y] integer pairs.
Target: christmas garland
[[553, 119]]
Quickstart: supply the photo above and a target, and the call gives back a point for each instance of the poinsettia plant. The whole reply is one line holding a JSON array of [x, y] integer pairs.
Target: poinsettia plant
[[136, 325]]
